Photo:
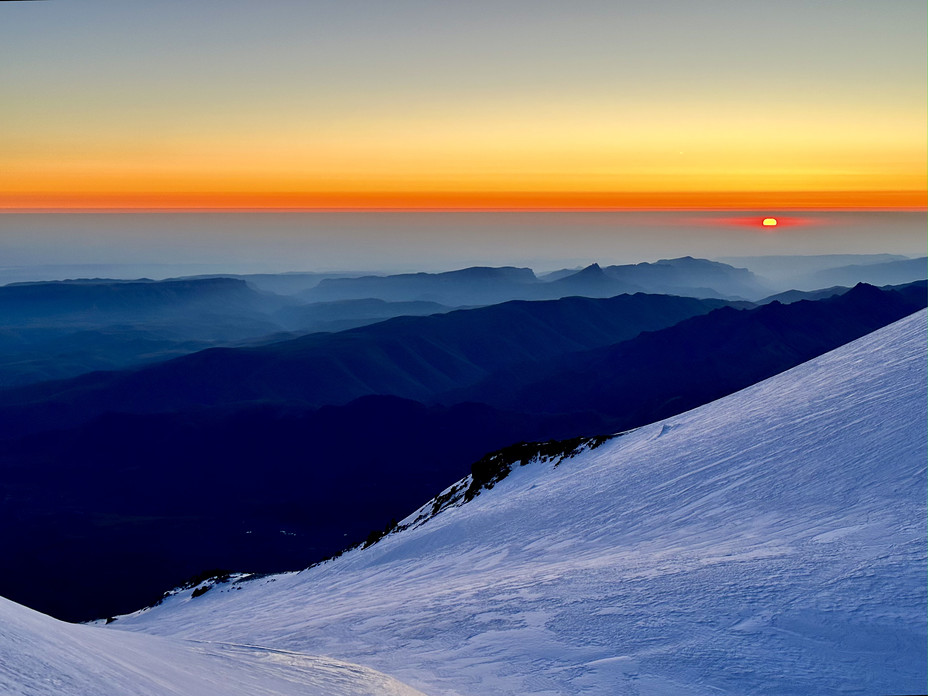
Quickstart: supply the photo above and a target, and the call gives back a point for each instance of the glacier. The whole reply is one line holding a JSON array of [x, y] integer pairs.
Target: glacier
[[771, 542]]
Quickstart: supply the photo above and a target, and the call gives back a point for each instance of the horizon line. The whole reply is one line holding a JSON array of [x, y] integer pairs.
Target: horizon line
[[773, 210], [465, 201]]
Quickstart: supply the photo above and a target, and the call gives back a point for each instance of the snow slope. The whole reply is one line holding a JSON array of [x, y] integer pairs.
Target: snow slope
[[42, 656], [772, 542]]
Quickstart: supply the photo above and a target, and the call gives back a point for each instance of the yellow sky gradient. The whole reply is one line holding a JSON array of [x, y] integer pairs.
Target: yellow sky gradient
[[797, 130], [606, 159]]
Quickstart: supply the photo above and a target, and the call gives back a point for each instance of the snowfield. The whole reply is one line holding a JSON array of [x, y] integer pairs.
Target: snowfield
[[40, 655], [771, 542]]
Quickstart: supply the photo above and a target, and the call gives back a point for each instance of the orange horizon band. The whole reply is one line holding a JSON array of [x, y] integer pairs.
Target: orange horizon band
[[467, 201]]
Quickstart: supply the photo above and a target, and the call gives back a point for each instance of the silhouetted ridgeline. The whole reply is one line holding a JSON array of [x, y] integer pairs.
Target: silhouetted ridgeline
[[410, 357], [91, 300], [683, 276], [62, 329], [812, 272], [889, 273], [56, 330], [658, 374], [128, 505]]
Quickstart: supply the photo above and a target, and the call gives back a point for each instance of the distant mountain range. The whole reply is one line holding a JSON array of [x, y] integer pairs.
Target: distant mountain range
[[263, 458], [61, 329], [409, 357], [683, 276], [279, 283], [55, 330], [790, 296], [90, 301], [889, 273], [816, 272], [703, 358]]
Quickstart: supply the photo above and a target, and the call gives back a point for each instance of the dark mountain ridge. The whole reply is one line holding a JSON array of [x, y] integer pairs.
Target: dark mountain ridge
[[811, 273], [479, 285], [692, 277], [131, 504], [409, 357], [475, 285], [341, 315], [60, 329], [889, 273], [55, 330], [658, 374], [88, 301]]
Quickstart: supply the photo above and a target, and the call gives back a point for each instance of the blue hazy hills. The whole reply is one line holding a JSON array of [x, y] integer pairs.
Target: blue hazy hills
[[682, 276], [56, 330], [273, 456], [62, 329], [410, 357]]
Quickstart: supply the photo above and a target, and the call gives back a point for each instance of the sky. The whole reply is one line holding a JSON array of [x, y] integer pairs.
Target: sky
[[478, 105]]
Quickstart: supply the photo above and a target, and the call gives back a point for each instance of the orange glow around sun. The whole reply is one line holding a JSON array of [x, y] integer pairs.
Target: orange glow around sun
[[767, 224]]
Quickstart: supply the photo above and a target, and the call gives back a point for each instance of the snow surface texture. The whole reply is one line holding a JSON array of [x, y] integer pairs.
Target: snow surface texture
[[41, 656], [772, 542]]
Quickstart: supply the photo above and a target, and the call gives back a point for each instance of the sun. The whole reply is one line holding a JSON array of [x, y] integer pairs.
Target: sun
[[770, 222]]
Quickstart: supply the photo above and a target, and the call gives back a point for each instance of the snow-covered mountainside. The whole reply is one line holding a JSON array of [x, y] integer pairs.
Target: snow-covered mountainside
[[40, 655], [772, 542]]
